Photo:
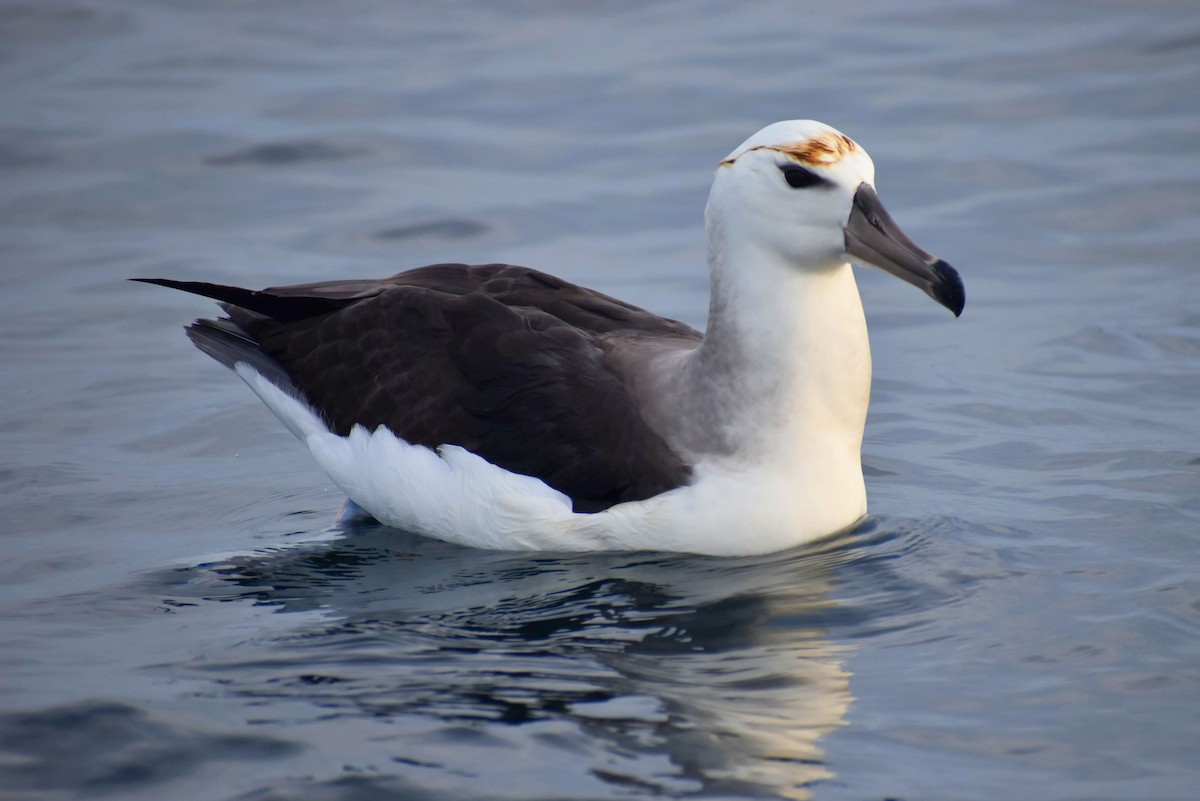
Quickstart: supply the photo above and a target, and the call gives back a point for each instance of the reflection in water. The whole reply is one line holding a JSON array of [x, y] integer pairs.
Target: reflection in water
[[683, 674]]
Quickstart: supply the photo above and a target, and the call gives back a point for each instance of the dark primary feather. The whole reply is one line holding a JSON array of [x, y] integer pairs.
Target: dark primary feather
[[505, 361]]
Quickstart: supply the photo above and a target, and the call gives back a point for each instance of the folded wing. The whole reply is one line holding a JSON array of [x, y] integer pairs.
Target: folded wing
[[507, 362]]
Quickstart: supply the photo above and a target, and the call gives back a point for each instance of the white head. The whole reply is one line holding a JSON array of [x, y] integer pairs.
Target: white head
[[804, 192]]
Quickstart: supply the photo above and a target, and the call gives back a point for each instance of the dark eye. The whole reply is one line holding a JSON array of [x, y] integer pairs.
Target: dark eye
[[800, 178]]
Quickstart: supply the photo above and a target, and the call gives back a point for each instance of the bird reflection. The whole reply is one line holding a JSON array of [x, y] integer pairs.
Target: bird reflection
[[676, 674]]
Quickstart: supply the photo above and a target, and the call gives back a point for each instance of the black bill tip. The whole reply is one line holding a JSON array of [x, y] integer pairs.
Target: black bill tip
[[948, 289]]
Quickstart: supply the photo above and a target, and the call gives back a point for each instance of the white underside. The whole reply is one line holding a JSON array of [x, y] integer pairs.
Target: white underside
[[452, 494]]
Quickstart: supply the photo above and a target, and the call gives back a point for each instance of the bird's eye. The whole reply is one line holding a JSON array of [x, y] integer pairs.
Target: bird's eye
[[800, 178]]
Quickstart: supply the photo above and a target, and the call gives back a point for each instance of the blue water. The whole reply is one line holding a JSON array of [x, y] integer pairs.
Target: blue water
[[1019, 618]]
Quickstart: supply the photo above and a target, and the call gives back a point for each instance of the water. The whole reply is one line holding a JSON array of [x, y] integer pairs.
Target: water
[[1018, 619]]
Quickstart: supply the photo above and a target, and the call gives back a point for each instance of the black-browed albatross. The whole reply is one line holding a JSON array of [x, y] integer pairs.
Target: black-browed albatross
[[497, 406]]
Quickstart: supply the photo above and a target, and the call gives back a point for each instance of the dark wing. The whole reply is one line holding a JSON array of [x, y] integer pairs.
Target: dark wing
[[503, 360]]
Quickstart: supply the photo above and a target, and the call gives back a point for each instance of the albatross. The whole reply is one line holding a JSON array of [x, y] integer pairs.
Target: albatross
[[497, 406]]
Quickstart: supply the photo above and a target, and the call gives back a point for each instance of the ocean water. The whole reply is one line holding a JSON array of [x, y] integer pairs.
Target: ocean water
[[180, 617]]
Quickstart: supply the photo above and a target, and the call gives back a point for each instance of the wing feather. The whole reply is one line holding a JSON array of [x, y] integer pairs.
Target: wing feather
[[504, 361]]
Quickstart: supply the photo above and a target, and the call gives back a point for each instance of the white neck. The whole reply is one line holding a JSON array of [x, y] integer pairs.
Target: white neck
[[784, 372]]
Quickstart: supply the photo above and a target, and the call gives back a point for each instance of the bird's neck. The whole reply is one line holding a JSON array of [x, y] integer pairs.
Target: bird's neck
[[785, 366]]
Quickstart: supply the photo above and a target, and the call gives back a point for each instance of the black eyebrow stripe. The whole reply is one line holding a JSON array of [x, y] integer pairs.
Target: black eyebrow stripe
[[817, 180]]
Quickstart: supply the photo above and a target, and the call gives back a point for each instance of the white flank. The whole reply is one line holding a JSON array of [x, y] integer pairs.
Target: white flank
[[454, 495]]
